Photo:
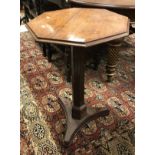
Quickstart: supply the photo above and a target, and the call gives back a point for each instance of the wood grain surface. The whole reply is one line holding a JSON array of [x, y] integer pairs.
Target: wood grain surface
[[79, 25]]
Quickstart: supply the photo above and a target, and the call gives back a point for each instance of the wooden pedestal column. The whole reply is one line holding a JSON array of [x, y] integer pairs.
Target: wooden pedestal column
[[78, 114]]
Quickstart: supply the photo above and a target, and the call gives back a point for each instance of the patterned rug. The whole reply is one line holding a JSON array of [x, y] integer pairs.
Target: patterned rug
[[42, 119]]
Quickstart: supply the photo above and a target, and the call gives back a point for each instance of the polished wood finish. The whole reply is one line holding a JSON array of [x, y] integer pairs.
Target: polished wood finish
[[123, 4], [78, 28], [94, 26], [77, 55], [78, 114]]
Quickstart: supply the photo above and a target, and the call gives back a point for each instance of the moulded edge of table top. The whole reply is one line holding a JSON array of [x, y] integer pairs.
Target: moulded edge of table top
[[86, 44]]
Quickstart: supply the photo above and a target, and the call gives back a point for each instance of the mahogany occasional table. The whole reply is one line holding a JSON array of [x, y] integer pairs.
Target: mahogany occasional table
[[79, 28]]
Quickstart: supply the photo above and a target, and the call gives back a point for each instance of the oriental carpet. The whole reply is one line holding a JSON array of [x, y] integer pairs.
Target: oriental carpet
[[42, 120]]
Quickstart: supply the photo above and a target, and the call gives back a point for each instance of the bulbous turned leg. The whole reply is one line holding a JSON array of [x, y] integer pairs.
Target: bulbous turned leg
[[112, 59]]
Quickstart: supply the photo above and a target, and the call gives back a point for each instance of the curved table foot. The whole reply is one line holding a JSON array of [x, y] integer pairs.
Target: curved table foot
[[74, 125]]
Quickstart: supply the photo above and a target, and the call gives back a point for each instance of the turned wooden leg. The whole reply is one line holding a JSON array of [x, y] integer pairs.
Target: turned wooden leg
[[112, 59], [79, 108]]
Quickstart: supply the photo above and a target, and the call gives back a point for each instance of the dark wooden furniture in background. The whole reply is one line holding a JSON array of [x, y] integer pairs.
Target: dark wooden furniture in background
[[34, 8], [124, 7], [95, 26]]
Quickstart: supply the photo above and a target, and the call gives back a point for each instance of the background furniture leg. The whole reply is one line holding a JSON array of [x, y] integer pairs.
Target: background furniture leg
[[112, 59]]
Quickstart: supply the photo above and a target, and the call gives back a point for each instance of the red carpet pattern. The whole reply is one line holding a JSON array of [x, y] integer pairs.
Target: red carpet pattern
[[43, 121]]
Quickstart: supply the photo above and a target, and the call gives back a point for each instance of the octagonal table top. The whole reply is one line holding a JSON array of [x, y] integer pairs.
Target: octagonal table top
[[79, 26], [123, 4]]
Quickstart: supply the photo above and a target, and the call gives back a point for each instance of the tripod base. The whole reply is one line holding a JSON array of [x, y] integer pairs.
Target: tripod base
[[74, 125]]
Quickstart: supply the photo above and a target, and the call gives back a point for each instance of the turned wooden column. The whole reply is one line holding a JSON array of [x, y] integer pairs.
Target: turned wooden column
[[77, 57], [112, 58]]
